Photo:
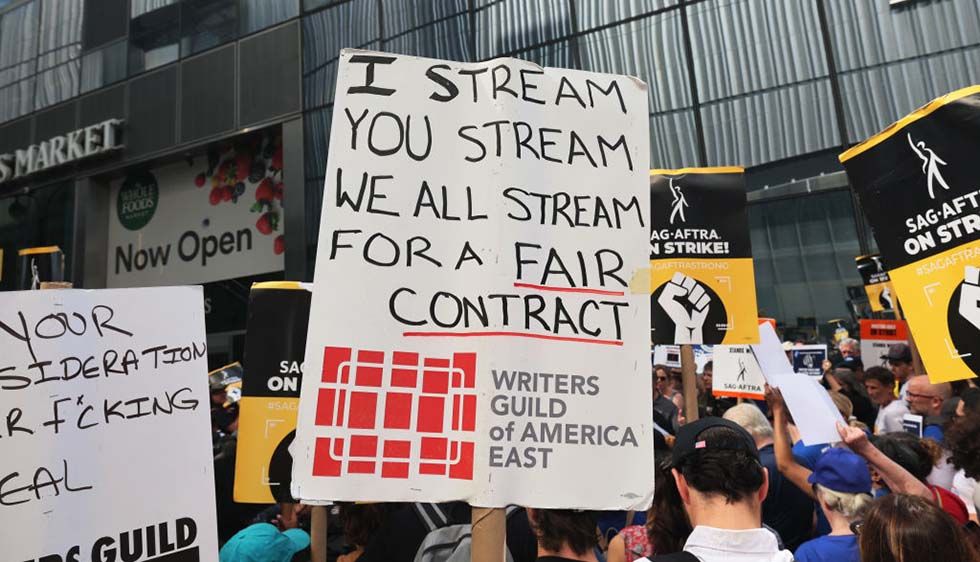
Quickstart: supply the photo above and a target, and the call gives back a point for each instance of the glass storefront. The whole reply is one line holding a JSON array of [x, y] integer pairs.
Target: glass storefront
[[43, 217]]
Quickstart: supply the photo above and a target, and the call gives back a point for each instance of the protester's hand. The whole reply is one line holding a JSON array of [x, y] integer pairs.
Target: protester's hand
[[826, 366], [288, 517], [774, 399], [854, 438], [351, 556]]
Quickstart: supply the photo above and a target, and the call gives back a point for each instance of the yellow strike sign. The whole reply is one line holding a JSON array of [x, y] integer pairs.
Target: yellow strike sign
[[919, 184], [275, 342], [702, 280]]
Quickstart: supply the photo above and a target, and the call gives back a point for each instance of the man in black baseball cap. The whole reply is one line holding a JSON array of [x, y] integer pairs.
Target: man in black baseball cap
[[899, 358], [715, 464]]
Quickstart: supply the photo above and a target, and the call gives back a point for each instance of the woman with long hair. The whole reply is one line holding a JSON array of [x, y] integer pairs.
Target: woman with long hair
[[666, 529], [903, 528]]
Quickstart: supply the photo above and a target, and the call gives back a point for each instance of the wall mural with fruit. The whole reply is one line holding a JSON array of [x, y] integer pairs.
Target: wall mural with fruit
[[213, 216]]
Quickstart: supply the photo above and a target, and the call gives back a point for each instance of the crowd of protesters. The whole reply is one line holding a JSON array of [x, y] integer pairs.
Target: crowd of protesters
[[736, 485]]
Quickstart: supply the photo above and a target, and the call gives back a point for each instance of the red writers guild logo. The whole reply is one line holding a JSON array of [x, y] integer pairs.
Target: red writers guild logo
[[410, 415]]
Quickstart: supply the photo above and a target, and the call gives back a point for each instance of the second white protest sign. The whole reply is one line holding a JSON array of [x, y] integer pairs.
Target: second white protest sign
[[473, 328], [106, 449]]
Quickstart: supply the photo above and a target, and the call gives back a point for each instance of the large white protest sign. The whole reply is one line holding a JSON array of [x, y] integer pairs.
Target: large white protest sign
[[105, 450], [814, 413], [769, 353], [482, 332]]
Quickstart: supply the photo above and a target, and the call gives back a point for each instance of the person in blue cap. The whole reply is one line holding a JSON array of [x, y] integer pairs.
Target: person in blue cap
[[842, 486], [263, 542]]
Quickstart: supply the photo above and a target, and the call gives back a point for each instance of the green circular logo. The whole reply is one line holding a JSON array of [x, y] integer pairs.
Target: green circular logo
[[137, 200]]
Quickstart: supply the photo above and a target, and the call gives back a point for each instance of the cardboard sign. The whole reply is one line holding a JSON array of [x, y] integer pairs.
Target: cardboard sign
[[670, 355], [769, 352], [877, 284], [808, 359], [914, 424], [877, 336], [212, 217], [275, 341], [106, 447], [917, 182], [737, 373], [814, 412], [478, 328], [701, 274]]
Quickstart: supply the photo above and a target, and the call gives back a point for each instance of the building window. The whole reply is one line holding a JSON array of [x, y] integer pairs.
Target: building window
[[207, 23], [259, 14], [154, 35], [18, 60], [104, 66], [60, 46]]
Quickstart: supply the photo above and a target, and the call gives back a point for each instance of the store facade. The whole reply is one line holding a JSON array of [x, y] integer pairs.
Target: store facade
[[176, 175]]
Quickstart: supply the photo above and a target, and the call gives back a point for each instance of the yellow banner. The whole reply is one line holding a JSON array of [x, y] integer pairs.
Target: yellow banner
[[730, 317], [266, 428], [941, 301]]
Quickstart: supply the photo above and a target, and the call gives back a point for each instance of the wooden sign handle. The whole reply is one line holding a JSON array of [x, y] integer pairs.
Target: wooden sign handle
[[318, 533], [690, 384], [489, 534]]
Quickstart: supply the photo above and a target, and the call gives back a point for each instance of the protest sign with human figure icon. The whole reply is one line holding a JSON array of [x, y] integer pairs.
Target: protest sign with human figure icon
[[701, 274], [917, 182], [877, 284]]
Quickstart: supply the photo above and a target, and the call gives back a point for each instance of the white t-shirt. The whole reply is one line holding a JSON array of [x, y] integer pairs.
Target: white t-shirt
[[889, 418], [966, 489], [942, 474], [722, 545], [902, 390]]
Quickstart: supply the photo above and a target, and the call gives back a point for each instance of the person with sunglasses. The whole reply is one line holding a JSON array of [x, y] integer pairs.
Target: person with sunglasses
[[663, 405], [926, 399]]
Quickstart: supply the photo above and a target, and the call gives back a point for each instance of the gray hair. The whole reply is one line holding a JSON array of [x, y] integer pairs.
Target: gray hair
[[847, 504], [751, 418], [850, 342]]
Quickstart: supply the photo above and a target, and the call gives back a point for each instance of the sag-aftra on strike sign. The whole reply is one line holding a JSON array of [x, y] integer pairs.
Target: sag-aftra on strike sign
[[919, 185], [473, 331]]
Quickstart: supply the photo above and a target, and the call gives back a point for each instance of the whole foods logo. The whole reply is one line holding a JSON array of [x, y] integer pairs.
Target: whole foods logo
[[137, 200]]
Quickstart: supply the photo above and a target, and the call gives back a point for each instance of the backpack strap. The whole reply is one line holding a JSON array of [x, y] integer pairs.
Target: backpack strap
[[432, 516]]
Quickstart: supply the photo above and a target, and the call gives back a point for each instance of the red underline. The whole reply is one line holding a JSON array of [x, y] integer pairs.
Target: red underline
[[570, 290], [507, 334]]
